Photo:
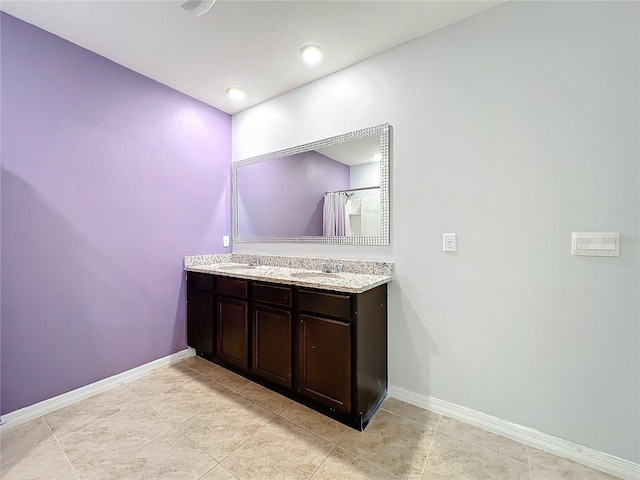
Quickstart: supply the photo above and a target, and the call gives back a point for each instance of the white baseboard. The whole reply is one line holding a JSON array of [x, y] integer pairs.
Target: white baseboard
[[583, 455], [36, 410]]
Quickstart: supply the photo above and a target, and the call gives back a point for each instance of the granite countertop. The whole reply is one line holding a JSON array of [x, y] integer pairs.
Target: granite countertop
[[342, 281]]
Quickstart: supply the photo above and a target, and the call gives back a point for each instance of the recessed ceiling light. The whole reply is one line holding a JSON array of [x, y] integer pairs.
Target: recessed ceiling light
[[311, 54], [236, 93]]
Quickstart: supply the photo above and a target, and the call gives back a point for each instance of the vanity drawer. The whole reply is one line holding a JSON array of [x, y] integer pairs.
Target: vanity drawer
[[275, 295], [331, 304], [200, 281], [231, 287]]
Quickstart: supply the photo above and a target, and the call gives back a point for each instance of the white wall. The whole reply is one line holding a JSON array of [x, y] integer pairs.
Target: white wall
[[512, 129], [365, 175]]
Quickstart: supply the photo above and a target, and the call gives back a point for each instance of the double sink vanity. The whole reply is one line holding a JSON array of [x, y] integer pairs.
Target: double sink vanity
[[312, 329], [319, 337]]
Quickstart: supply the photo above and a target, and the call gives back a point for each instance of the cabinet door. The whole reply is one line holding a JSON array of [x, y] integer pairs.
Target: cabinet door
[[324, 361], [271, 328], [200, 321], [233, 332]]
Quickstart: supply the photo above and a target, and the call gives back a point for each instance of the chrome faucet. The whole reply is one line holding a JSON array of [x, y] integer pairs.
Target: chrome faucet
[[331, 267], [255, 262]]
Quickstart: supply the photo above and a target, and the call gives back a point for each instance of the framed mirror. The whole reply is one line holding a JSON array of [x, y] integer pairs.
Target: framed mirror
[[331, 191]]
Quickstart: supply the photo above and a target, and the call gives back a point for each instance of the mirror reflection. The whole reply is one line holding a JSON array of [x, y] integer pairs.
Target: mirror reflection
[[328, 191]]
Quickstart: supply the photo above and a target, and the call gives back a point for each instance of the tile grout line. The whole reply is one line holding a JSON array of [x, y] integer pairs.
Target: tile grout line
[[245, 441], [202, 476], [309, 431], [333, 447], [338, 447], [417, 423], [73, 469], [484, 432], [459, 438], [258, 404], [487, 449], [202, 451], [220, 461], [263, 406], [219, 464], [137, 449], [436, 430], [410, 419], [433, 439], [175, 426], [369, 462], [222, 384], [80, 429]]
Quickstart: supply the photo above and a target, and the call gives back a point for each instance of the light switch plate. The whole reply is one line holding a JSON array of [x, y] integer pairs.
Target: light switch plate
[[595, 244]]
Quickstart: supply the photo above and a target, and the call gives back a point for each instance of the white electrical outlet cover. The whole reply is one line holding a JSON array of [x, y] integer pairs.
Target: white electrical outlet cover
[[449, 242]]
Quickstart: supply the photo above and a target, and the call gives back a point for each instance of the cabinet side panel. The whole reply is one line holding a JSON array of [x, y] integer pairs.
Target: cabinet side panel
[[200, 321], [371, 349]]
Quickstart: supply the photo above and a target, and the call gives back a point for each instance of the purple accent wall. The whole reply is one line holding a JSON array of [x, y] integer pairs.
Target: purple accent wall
[[284, 196], [108, 179]]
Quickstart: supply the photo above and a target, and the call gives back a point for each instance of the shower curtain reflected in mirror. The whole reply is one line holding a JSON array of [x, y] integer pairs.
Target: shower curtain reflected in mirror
[[335, 221]]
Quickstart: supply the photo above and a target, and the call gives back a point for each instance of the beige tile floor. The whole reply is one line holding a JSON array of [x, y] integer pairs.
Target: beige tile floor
[[195, 420]]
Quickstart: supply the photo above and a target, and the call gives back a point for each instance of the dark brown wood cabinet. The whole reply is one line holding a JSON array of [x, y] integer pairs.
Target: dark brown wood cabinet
[[233, 322], [201, 313], [342, 356], [271, 333], [324, 361], [271, 329], [233, 332], [326, 349]]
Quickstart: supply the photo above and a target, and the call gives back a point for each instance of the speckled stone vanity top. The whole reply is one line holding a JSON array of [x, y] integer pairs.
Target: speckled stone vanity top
[[355, 277]]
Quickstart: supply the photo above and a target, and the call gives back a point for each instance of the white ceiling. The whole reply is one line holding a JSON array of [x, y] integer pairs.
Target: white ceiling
[[251, 44]]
